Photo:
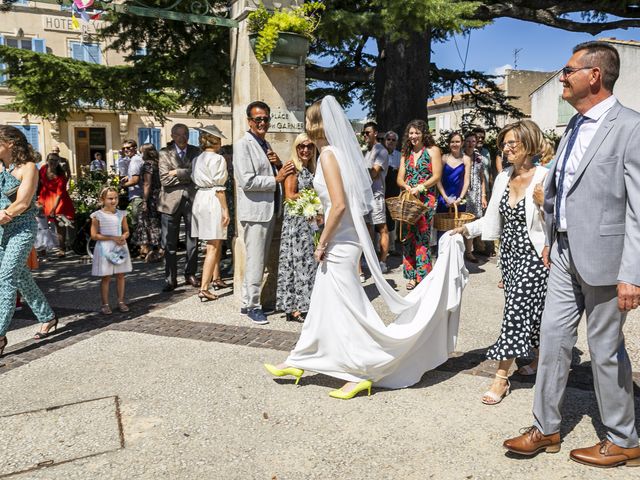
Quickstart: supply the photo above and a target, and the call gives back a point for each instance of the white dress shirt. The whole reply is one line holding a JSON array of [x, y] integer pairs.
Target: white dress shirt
[[592, 121]]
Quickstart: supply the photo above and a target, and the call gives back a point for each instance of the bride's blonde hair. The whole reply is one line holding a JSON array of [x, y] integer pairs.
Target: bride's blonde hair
[[314, 125]]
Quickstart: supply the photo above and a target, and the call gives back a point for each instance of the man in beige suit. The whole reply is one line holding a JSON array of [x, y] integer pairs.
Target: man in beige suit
[[175, 202]]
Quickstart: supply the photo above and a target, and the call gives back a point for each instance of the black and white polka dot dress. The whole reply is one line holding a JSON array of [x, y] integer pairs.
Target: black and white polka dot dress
[[525, 286]]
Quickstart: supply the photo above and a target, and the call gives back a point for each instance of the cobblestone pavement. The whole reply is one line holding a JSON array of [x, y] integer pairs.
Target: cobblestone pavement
[[163, 327]]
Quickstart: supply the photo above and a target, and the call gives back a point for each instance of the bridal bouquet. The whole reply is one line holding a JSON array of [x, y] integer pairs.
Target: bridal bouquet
[[307, 205]]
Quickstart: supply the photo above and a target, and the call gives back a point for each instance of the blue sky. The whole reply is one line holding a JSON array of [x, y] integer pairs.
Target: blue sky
[[492, 48]]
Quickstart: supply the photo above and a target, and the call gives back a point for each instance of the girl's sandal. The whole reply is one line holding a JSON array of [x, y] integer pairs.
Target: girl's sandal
[[411, 284], [106, 309], [123, 307]]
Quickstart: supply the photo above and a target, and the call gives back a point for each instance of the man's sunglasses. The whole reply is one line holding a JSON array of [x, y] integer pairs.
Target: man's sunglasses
[[260, 119], [367, 132], [568, 71]]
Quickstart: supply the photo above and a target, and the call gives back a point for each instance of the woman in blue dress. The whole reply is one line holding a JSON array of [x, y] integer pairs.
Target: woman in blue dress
[[456, 168], [18, 227]]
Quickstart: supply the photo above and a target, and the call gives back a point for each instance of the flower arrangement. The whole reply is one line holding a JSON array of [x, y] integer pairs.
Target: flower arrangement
[[307, 205], [303, 20]]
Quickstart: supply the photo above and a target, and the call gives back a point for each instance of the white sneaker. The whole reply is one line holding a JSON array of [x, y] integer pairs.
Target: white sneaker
[[383, 267], [362, 278]]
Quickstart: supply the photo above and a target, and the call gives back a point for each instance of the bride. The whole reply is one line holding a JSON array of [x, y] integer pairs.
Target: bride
[[343, 336]]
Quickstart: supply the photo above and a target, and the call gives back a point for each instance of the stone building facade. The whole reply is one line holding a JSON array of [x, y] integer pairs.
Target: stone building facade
[[48, 28], [551, 112]]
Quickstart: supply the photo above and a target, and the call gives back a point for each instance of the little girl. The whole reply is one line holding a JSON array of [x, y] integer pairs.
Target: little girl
[[110, 231]]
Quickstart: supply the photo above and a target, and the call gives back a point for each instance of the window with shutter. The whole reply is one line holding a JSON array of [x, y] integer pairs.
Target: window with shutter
[[194, 137], [86, 52], [32, 134], [565, 111], [149, 135]]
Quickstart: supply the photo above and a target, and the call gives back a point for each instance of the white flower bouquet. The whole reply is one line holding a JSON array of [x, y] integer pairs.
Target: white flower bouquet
[[307, 205]]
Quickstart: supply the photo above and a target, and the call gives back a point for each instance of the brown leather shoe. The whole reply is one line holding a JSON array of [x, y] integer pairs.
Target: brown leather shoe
[[607, 454], [533, 441], [192, 280]]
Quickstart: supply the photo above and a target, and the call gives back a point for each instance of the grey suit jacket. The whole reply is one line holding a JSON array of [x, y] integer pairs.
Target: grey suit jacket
[[603, 203], [256, 182], [174, 187]]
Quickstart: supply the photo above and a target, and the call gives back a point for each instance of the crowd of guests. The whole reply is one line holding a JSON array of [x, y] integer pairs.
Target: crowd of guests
[[191, 184]]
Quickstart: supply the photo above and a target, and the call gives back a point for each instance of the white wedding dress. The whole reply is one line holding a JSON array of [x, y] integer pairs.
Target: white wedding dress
[[343, 336]]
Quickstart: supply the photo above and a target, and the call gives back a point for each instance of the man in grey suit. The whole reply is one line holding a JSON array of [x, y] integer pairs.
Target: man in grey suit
[[258, 173], [175, 202], [592, 216]]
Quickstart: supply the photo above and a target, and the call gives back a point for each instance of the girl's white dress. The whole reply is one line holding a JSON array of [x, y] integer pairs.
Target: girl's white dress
[[110, 224], [209, 174]]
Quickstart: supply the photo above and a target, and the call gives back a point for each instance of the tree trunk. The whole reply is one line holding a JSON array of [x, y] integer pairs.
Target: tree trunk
[[402, 81]]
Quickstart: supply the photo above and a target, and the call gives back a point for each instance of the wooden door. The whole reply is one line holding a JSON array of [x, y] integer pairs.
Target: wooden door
[[83, 157]]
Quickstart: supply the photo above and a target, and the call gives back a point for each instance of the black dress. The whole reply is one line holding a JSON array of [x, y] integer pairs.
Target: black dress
[[525, 286], [296, 267]]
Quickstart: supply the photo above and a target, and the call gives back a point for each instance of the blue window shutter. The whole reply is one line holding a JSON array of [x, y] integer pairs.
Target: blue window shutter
[[77, 52], [194, 137], [149, 135], [31, 132], [92, 53], [155, 137], [3, 76], [143, 136], [38, 45]]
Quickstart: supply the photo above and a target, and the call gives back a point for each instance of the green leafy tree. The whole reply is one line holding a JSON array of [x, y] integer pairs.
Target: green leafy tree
[[188, 64]]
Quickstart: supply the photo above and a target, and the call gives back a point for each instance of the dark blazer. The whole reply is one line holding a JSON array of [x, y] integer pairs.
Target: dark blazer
[[174, 187]]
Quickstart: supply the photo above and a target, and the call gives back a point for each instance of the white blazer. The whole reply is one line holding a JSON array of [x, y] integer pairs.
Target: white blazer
[[490, 225]]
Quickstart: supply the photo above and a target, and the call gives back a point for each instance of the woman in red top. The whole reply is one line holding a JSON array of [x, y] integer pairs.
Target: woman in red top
[[54, 197]]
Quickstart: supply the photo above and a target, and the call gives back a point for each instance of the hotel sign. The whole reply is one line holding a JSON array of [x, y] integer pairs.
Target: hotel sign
[[286, 121], [63, 24]]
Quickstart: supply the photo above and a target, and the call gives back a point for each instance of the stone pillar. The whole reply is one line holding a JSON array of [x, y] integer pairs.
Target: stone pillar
[[283, 89]]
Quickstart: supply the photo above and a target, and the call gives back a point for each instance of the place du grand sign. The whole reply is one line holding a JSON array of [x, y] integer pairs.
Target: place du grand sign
[[64, 24], [286, 121]]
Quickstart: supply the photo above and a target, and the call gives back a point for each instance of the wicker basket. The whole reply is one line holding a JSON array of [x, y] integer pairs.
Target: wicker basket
[[451, 220], [406, 208]]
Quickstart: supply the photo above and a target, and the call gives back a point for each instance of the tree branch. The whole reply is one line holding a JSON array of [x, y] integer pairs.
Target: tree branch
[[550, 13], [340, 74]]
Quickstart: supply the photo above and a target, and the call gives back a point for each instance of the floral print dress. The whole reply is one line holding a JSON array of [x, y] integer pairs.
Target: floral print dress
[[296, 266], [416, 261]]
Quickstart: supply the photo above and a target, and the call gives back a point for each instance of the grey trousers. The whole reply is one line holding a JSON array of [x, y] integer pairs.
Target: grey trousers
[[568, 296], [257, 240]]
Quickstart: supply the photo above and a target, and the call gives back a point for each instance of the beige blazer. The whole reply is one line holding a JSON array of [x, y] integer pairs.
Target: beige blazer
[[173, 188]]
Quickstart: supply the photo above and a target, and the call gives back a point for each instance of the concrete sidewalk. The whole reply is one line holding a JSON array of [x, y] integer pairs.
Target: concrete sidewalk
[[176, 389]]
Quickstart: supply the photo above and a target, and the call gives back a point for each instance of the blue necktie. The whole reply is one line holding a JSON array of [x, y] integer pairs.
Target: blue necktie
[[567, 152], [181, 155]]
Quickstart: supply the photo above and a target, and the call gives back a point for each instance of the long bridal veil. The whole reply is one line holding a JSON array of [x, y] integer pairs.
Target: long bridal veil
[[425, 329]]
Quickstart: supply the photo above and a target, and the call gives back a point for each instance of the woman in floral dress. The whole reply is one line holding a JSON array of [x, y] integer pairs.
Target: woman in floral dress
[[148, 230], [477, 193], [420, 171], [296, 266]]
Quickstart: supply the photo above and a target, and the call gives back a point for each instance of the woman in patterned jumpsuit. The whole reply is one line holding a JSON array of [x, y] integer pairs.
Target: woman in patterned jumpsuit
[[18, 184], [420, 171]]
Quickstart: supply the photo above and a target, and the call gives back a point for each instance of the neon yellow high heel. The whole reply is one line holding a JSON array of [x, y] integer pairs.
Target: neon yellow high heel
[[281, 372], [364, 385]]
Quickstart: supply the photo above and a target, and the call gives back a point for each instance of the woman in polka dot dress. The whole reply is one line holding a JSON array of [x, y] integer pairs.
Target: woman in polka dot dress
[[514, 217]]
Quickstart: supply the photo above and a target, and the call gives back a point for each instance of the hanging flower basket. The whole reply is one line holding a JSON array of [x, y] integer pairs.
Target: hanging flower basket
[[291, 49], [282, 36]]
